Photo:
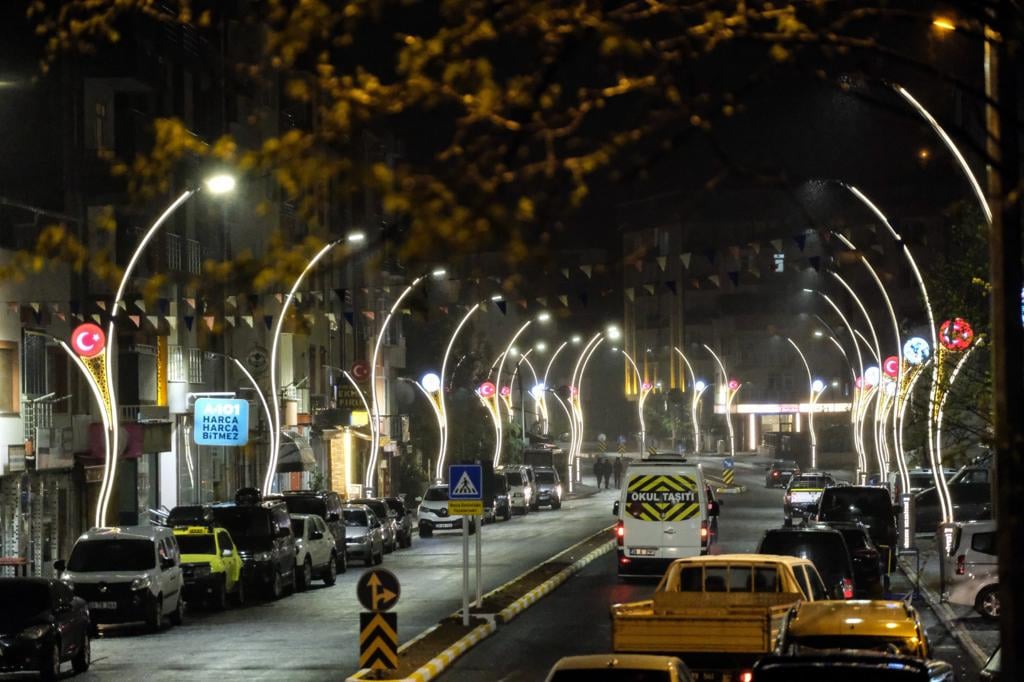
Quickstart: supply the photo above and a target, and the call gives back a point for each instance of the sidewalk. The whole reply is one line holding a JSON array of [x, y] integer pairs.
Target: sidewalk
[[978, 636]]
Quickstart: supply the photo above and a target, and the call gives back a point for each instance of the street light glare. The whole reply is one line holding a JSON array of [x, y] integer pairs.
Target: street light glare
[[541, 346], [577, 339], [496, 297], [944, 24], [439, 272], [544, 316], [355, 237], [222, 183], [817, 332], [613, 333]]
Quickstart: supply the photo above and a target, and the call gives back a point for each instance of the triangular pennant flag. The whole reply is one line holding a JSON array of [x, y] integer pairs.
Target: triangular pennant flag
[[756, 246], [671, 286], [350, 317], [61, 316], [267, 321], [502, 306], [695, 283], [96, 318], [565, 273], [122, 304], [543, 300], [523, 303], [102, 305], [776, 244], [649, 288], [878, 247], [163, 306], [710, 254], [685, 258], [172, 322], [714, 279], [662, 262], [209, 320], [189, 319], [135, 319], [247, 321], [340, 293], [141, 304], [443, 309], [154, 321], [231, 320], [232, 300], [298, 296], [331, 317], [35, 306], [734, 275], [815, 262], [801, 240], [369, 314], [587, 270], [191, 303], [629, 293], [756, 273], [564, 300]]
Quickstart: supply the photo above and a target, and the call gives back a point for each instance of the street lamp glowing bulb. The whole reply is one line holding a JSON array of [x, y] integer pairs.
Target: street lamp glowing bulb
[[943, 24], [431, 382], [541, 346], [818, 333], [439, 272], [818, 386], [613, 333], [544, 317], [538, 391], [222, 183], [699, 386], [356, 237]]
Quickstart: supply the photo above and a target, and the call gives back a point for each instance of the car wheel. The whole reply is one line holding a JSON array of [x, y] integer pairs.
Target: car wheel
[[987, 603], [556, 505], [277, 586], [155, 618], [380, 556], [343, 567], [49, 663], [508, 514], [788, 522], [331, 572], [240, 592], [304, 577], [80, 663], [220, 596], [178, 615]]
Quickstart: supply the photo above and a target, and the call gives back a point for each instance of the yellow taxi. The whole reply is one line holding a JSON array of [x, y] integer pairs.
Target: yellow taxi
[[210, 565], [886, 626]]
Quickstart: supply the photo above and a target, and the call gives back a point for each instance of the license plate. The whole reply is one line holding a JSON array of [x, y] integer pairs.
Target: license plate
[[103, 605], [444, 525], [643, 551]]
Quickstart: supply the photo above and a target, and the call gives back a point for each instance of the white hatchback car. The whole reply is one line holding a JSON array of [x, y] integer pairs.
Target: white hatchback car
[[315, 551], [973, 569]]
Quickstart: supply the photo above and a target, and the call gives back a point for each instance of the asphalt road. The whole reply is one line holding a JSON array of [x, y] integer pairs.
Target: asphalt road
[[314, 635], [574, 620]]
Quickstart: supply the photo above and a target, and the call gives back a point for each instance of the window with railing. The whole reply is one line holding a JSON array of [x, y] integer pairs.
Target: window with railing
[[195, 366], [173, 252], [185, 364], [194, 253]]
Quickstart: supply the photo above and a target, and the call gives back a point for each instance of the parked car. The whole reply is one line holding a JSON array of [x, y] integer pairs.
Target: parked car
[[920, 479], [847, 666], [868, 568], [499, 507], [404, 518], [315, 552], [520, 492], [327, 505], [868, 505], [433, 513], [388, 519], [970, 492], [624, 667], [972, 569], [42, 624], [779, 472], [549, 487], [824, 546], [802, 494], [210, 565], [364, 534], [127, 574], [262, 531]]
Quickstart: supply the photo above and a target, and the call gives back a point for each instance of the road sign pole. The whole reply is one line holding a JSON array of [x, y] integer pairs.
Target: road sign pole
[[479, 560], [465, 571]]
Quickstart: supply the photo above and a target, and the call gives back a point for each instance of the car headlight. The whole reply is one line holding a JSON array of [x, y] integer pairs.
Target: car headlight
[[262, 556], [141, 583], [35, 632], [201, 571]]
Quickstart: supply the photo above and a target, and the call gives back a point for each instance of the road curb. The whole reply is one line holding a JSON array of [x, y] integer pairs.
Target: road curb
[[946, 616], [527, 600], [438, 663]]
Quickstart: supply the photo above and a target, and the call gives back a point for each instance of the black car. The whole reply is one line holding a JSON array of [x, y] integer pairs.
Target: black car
[[824, 546], [42, 624], [970, 491], [868, 568], [327, 505], [867, 505], [500, 507], [403, 518], [547, 488], [262, 531], [779, 472]]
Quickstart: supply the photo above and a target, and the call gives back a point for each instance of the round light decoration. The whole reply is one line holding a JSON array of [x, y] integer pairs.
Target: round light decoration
[[890, 388], [430, 382], [733, 385], [573, 391], [916, 350], [647, 386], [538, 391], [859, 383], [891, 366], [88, 340], [486, 390], [699, 385], [818, 386], [871, 376], [956, 334], [505, 391]]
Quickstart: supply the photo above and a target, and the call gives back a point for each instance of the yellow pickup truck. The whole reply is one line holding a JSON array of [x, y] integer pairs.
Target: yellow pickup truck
[[717, 613]]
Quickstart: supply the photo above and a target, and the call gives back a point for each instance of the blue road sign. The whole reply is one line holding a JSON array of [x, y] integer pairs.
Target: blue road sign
[[728, 463], [465, 482], [221, 421], [622, 440]]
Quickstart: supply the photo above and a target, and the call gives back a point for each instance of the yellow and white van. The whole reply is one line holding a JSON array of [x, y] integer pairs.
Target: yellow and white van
[[664, 514]]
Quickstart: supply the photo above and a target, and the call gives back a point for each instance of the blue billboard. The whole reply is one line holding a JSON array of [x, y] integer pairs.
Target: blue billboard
[[221, 421]]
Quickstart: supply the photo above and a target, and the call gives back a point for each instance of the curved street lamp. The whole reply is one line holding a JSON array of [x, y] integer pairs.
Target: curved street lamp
[[645, 390], [731, 392], [814, 389], [694, 401], [497, 383], [443, 450], [574, 396]]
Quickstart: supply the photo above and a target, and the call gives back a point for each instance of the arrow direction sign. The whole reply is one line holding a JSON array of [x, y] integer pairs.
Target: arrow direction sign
[[378, 589], [379, 593]]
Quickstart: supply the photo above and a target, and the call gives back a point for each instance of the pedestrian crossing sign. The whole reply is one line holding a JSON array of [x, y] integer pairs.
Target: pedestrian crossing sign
[[465, 482]]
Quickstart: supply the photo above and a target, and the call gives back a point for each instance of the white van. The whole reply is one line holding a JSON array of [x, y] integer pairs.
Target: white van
[[664, 514], [127, 574], [520, 492], [972, 569]]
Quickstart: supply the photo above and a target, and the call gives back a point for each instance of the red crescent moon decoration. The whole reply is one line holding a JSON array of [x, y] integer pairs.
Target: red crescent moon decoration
[[88, 340], [486, 390], [891, 366], [956, 334]]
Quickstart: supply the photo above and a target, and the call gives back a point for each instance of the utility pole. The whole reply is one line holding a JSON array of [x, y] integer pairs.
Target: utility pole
[[1003, 175]]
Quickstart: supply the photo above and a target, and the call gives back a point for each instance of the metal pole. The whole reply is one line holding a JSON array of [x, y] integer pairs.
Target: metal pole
[[479, 560], [465, 571]]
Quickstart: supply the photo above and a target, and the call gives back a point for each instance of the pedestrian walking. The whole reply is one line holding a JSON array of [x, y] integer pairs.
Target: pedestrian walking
[[618, 472], [607, 472], [598, 471]]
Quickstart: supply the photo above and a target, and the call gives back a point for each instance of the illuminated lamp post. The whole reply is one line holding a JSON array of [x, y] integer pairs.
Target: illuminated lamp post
[[443, 450], [216, 185], [487, 393], [698, 391], [901, 461], [872, 380], [955, 336], [854, 408], [575, 405], [542, 317], [572, 431], [645, 390], [815, 387], [732, 388], [430, 386], [547, 371]]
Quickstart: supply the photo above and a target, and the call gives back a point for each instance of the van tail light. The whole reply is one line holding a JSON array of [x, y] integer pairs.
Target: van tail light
[[704, 533], [620, 533], [775, 474], [746, 676], [847, 588], [961, 564]]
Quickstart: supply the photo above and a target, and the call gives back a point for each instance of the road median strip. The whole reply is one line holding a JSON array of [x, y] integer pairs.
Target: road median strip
[[431, 652]]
